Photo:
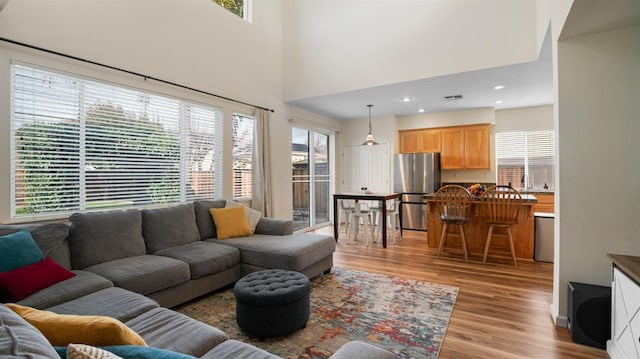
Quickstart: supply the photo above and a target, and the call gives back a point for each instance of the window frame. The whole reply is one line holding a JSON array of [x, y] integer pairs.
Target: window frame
[[533, 157], [184, 124]]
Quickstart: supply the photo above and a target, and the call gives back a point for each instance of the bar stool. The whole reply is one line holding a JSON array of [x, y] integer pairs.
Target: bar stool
[[361, 211], [453, 202], [393, 218], [503, 204], [346, 208]]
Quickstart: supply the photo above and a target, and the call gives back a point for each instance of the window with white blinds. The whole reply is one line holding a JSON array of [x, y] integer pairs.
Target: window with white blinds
[[526, 159], [242, 145], [80, 144]]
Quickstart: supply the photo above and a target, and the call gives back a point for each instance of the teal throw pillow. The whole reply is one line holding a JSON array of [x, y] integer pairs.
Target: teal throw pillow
[[141, 352], [135, 352], [18, 250]]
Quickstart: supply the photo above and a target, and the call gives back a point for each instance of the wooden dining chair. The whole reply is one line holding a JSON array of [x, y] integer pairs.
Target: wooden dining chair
[[502, 205], [453, 203]]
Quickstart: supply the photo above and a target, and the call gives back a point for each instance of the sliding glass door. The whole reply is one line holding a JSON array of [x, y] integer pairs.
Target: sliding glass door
[[311, 178]]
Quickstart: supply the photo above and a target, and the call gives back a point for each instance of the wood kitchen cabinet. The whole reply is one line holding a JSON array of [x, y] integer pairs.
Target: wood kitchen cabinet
[[545, 203], [460, 147], [423, 140], [452, 155], [477, 147]]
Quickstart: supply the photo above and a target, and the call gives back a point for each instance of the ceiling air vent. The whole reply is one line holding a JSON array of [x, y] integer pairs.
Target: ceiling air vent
[[453, 97]]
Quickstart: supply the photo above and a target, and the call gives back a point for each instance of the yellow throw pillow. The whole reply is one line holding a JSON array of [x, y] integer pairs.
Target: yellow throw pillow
[[61, 329], [230, 222]]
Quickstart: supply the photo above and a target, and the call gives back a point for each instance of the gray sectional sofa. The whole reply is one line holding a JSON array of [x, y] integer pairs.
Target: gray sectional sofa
[[133, 265]]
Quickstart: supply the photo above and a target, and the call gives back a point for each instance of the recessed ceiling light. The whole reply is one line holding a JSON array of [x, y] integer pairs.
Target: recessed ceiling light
[[421, 110], [406, 99], [498, 87], [499, 101]]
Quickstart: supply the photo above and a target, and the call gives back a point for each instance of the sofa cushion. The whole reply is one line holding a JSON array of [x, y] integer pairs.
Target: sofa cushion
[[169, 227], [230, 222], [233, 349], [112, 302], [20, 339], [135, 352], [206, 227], [293, 252], [164, 328], [143, 274], [21, 282], [52, 238], [100, 237], [18, 250], [87, 329], [204, 258], [81, 284]]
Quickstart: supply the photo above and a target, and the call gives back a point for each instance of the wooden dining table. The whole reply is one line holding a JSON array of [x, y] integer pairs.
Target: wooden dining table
[[380, 197]]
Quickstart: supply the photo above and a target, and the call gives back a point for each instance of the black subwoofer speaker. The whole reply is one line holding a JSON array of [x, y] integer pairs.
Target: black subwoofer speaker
[[589, 314]]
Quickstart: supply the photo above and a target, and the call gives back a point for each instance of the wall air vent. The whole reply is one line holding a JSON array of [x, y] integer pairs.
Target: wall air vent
[[453, 97]]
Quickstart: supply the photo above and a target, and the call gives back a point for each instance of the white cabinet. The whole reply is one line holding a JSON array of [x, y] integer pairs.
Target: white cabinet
[[625, 318]]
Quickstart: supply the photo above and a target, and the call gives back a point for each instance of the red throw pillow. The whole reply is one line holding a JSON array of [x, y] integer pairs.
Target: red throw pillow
[[21, 282]]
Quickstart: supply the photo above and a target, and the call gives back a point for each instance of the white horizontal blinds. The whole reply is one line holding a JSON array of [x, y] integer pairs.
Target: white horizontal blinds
[[83, 145], [242, 140], [204, 152], [541, 158], [526, 158], [510, 158], [132, 147], [45, 132]]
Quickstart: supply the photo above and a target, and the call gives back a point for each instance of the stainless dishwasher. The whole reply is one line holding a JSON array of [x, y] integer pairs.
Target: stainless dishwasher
[[544, 239]]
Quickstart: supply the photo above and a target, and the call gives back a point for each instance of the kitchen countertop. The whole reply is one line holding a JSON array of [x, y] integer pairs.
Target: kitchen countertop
[[526, 198], [630, 265]]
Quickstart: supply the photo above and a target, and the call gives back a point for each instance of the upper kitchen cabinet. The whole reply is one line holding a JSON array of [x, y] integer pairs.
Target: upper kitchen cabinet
[[423, 140], [452, 155], [460, 147], [477, 147]]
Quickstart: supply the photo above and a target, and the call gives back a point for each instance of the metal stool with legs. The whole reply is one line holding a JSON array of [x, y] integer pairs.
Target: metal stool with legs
[[361, 211], [453, 202], [503, 204]]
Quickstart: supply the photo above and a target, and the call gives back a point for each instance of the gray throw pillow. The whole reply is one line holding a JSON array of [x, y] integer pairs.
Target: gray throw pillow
[[206, 226], [164, 228]]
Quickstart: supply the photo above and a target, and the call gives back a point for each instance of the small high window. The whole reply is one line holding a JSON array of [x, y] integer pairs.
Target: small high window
[[238, 7]]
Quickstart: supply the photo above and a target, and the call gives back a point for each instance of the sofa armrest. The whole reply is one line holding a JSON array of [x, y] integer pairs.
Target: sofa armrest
[[358, 349], [274, 226]]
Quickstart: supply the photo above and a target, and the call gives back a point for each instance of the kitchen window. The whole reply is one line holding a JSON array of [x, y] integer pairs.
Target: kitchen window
[[526, 159], [80, 144]]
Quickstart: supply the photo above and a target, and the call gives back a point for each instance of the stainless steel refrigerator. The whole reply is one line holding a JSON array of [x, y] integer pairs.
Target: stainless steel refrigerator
[[415, 174]]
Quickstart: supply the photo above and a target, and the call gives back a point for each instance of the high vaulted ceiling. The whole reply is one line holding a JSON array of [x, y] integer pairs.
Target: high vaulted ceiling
[[526, 84]]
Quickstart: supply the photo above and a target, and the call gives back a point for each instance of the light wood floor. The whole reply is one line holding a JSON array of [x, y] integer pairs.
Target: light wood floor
[[501, 311]]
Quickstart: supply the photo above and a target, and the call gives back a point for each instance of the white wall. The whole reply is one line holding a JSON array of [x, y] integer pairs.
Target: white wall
[[187, 42], [333, 46], [599, 156]]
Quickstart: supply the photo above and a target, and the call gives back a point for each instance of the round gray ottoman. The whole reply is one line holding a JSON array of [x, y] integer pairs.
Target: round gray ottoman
[[272, 302]]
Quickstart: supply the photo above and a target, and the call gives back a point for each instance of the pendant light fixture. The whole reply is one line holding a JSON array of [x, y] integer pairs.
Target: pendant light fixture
[[369, 141]]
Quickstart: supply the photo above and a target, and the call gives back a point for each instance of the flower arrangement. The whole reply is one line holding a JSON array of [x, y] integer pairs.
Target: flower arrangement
[[477, 189]]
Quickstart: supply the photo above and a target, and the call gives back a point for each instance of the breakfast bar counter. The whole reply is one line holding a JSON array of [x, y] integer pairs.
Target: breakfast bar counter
[[476, 230]]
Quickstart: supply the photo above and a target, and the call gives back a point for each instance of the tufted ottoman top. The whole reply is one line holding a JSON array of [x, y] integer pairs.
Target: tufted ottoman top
[[272, 287]]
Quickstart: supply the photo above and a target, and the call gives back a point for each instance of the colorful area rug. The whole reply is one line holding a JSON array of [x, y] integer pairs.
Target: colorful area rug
[[405, 316]]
